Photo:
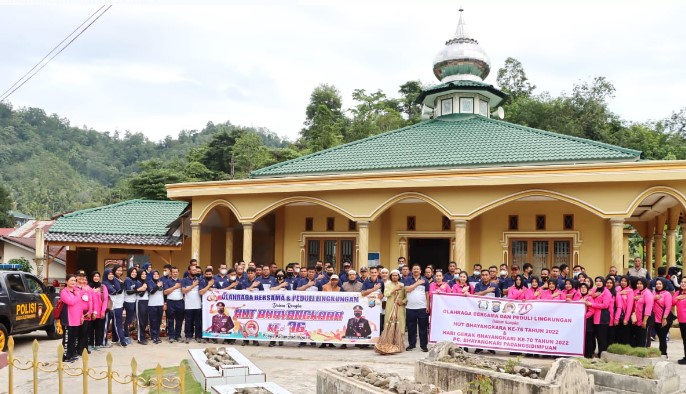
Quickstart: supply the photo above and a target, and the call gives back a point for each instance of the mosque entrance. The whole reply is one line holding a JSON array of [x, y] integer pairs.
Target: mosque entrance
[[434, 251]]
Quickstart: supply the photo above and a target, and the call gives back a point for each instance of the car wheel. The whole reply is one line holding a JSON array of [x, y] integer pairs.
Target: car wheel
[[4, 337], [55, 330]]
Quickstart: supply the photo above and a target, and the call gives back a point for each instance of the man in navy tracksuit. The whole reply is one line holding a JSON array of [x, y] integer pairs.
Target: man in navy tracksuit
[[175, 305]]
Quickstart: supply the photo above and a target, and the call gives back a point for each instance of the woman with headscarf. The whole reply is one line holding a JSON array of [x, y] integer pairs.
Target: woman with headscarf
[[155, 290], [600, 303], [679, 301], [98, 330], [394, 290], [587, 298], [130, 298], [552, 292], [642, 316], [624, 308], [115, 290], [662, 305], [569, 292], [611, 286], [71, 296], [518, 290], [142, 305], [533, 292]]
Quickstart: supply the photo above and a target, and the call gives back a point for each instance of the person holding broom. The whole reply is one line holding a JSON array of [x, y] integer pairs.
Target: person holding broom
[[391, 340]]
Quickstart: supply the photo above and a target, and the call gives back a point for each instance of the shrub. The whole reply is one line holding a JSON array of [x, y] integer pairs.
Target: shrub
[[25, 264], [643, 352], [480, 385]]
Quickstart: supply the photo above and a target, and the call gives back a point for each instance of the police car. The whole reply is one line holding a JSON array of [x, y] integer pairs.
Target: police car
[[26, 305]]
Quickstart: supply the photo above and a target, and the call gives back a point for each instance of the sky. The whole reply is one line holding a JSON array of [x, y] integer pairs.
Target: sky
[[160, 67]]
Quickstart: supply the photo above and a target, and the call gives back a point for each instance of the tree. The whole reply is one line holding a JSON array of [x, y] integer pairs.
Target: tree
[[676, 123], [326, 95], [513, 81], [249, 154], [155, 174], [409, 92], [24, 265], [5, 206], [325, 122]]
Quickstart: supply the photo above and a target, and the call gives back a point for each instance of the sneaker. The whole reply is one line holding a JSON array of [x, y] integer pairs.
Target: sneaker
[[107, 345], [143, 342], [330, 345], [322, 346], [425, 349], [409, 348], [96, 348], [128, 341], [682, 361], [188, 340], [301, 344], [123, 344], [478, 351], [244, 343], [344, 346], [313, 344], [198, 340], [255, 343], [171, 340], [281, 343], [493, 352], [271, 344]]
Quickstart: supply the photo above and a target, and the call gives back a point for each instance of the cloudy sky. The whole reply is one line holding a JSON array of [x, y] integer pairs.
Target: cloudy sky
[[159, 68]]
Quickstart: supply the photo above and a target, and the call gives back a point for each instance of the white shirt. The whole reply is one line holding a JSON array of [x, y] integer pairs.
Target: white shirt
[[192, 299], [416, 299], [156, 298]]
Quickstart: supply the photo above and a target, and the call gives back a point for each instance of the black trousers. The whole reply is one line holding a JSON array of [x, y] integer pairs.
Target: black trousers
[[589, 339], [71, 334], [623, 333], [600, 334], [130, 309], [662, 332], [611, 335], [682, 329], [175, 314], [639, 335], [142, 313], [155, 317], [97, 332], [381, 320], [193, 323], [417, 317]]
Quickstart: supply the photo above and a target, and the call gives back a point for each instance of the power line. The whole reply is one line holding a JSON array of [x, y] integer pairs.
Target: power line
[[6, 96]]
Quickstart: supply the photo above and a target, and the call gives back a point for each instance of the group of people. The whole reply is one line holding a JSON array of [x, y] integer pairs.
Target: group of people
[[620, 308]]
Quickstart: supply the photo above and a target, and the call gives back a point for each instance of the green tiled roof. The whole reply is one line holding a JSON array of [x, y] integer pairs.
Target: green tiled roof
[[458, 140], [133, 217]]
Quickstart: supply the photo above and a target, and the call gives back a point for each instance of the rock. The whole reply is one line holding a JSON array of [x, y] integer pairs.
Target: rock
[[393, 382], [365, 370], [372, 376], [381, 382], [534, 376]]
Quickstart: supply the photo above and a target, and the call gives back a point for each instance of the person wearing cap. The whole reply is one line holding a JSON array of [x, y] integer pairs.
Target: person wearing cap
[[332, 285], [343, 275], [358, 327], [352, 284], [221, 323], [364, 274]]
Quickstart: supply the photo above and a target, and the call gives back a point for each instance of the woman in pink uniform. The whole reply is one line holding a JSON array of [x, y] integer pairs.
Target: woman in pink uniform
[[589, 342], [517, 291], [438, 286], [551, 292], [534, 292], [569, 293], [679, 301], [642, 316], [662, 305], [462, 286], [71, 297], [600, 304], [624, 309]]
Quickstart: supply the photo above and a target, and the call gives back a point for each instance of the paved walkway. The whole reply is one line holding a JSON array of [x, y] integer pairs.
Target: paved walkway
[[292, 367]]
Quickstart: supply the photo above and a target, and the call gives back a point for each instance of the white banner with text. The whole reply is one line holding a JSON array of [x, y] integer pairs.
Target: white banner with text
[[540, 327]]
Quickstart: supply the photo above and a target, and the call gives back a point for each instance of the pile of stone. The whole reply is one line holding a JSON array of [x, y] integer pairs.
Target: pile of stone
[[450, 353], [252, 390], [387, 381], [217, 356]]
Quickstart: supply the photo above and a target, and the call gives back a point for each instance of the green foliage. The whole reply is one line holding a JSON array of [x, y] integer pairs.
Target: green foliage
[[25, 265], [513, 81], [481, 385], [170, 376], [511, 364], [5, 205], [645, 372], [643, 352]]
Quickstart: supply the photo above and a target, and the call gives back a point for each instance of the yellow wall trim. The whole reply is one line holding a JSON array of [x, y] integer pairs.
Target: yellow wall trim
[[536, 193], [404, 196], [217, 203], [655, 190], [295, 199]]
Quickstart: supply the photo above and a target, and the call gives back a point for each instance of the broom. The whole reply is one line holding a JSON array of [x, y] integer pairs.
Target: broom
[[391, 340]]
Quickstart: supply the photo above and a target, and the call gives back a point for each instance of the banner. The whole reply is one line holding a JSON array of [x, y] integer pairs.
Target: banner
[[291, 316], [541, 327]]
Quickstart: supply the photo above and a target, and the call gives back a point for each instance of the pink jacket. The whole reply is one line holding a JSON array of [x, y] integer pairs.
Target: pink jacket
[[551, 295], [643, 306], [515, 294], [530, 293], [435, 288], [100, 301], [661, 306], [680, 306], [602, 303], [87, 304], [74, 305], [625, 304], [589, 309], [457, 289], [570, 295]]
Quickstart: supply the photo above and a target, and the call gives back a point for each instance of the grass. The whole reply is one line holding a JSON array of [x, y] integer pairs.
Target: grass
[[192, 385], [626, 350], [647, 372]]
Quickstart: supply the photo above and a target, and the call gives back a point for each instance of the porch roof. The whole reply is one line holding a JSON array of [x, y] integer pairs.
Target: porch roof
[[452, 141]]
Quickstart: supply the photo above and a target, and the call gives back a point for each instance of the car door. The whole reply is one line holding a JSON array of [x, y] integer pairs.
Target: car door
[[23, 306], [43, 304]]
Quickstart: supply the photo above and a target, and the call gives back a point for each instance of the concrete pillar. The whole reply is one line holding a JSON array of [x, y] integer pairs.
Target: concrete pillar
[[228, 260], [658, 251], [362, 245], [617, 239], [625, 259], [461, 243], [672, 223], [195, 240], [247, 242], [649, 251], [683, 244]]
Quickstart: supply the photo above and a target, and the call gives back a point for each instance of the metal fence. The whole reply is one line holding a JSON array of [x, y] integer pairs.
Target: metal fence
[[156, 383]]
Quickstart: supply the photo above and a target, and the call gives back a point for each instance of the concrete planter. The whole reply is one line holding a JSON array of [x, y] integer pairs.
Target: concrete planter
[[331, 381], [244, 372], [233, 388], [666, 381], [623, 359], [566, 376]]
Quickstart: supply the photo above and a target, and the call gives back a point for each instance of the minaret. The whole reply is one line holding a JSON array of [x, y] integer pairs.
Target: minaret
[[461, 66]]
